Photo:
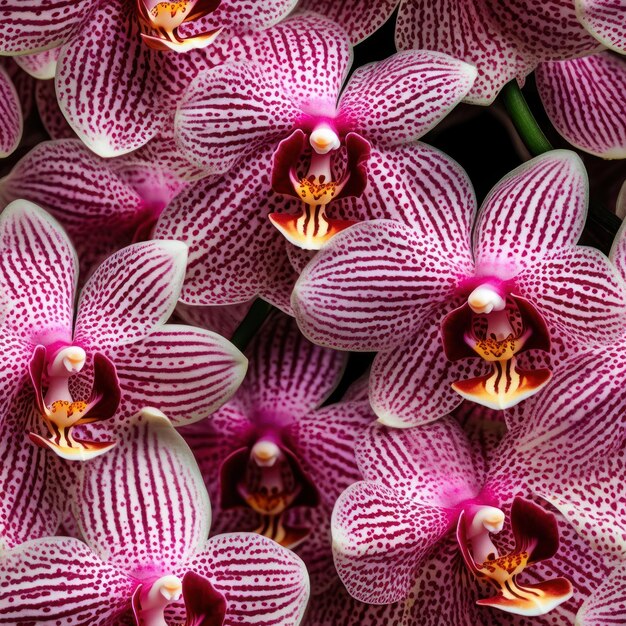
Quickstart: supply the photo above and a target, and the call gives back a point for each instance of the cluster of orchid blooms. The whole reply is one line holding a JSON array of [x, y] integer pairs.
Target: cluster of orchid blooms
[[208, 155]]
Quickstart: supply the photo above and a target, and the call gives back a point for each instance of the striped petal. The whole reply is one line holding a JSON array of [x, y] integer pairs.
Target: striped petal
[[581, 97], [75, 186], [359, 18], [605, 607], [371, 286], [289, 375], [433, 465], [537, 209], [230, 112], [380, 540], [263, 583], [186, 372], [59, 580], [32, 25], [144, 503], [130, 294], [108, 83], [503, 40], [378, 103], [580, 294], [11, 115], [37, 259], [618, 250], [234, 254], [605, 20], [41, 65]]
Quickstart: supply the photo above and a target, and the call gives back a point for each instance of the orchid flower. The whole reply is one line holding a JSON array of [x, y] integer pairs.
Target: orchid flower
[[116, 336], [427, 299], [274, 458], [145, 516], [116, 90], [307, 120], [434, 513], [103, 204]]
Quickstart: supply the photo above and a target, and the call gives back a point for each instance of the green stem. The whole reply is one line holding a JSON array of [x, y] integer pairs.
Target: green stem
[[251, 323], [524, 120]]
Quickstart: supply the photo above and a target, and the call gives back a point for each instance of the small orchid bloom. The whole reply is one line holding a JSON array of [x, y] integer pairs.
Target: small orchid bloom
[[439, 300], [429, 497], [144, 514], [316, 143], [274, 458], [116, 337], [104, 205], [115, 89]]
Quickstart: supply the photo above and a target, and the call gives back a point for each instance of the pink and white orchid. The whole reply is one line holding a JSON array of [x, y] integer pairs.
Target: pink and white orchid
[[275, 458], [116, 336], [427, 299], [145, 516]]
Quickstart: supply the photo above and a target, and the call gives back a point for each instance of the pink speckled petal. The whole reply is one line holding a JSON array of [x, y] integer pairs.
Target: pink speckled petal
[[53, 120], [401, 98], [11, 115], [264, 583], [618, 250], [606, 605], [41, 65], [581, 97], [144, 502], [186, 372], [537, 209], [605, 20], [243, 15], [220, 319], [433, 464], [108, 84], [371, 285], [48, 580], [380, 540], [32, 25], [504, 40], [133, 292]]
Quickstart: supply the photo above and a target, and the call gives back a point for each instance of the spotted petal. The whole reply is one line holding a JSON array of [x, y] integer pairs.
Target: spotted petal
[[186, 372], [131, 293], [605, 607], [597, 126], [399, 99], [263, 582], [11, 115], [604, 19], [144, 502], [60, 578], [371, 285], [380, 539], [41, 65]]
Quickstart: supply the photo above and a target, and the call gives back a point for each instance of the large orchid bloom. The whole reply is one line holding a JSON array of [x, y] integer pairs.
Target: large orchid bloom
[[427, 299], [437, 511], [116, 335], [508, 40], [274, 458], [117, 77], [144, 514]]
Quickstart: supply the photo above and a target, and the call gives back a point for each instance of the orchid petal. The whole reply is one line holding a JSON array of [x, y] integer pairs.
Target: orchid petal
[[604, 19], [11, 111], [359, 18], [144, 503], [30, 25], [537, 209], [108, 84], [380, 104], [223, 320], [288, 375], [186, 372], [278, 291], [618, 250], [433, 465], [605, 607], [580, 293], [36, 257], [247, 14], [230, 112], [130, 294], [41, 65], [53, 120], [59, 578], [581, 99], [370, 287], [233, 254], [380, 539], [263, 582]]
